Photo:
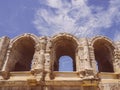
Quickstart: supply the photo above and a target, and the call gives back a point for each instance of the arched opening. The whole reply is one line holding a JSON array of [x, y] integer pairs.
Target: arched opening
[[64, 46], [103, 51], [65, 63], [22, 54]]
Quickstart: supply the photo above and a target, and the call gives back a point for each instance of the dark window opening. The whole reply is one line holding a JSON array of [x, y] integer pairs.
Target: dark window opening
[[104, 55], [64, 47], [65, 63], [22, 54]]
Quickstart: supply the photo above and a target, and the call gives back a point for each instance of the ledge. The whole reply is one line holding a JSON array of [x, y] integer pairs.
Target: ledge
[[71, 82], [26, 78], [65, 75], [24, 75], [108, 75]]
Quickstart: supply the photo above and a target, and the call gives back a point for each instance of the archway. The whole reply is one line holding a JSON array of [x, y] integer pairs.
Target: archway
[[103, 50], [21, 54], [64, 45]]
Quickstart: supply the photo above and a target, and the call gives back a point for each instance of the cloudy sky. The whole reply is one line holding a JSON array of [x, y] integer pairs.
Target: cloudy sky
[[83, 18]]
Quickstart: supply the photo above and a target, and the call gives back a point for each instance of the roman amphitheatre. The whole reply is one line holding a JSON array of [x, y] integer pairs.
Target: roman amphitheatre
[[30, 62]]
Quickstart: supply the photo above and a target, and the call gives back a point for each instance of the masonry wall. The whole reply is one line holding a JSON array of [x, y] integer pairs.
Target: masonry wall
[[28, 62]]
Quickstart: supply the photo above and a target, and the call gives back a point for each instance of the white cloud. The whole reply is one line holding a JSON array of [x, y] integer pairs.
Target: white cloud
[[74, 17], [54, 3]]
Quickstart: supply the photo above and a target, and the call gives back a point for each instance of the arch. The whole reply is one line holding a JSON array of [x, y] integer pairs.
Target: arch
[[34, 37], [94, 39], [104, 53], [66, 35], [64, 44], [22, 49]]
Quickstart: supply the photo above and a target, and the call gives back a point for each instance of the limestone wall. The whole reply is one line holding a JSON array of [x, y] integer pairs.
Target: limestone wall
[[29, 62]]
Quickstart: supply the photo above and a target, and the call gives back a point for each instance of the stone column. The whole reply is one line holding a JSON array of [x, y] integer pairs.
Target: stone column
[[80, 59], [77, 56], [86, 55], [116, 62], [5, 68], [39, 59], [93, 62], [48, 59], [4, 42], [86, 70]]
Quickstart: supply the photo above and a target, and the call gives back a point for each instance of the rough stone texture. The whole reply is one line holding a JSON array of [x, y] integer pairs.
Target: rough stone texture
[[4, 42], [28, 62]]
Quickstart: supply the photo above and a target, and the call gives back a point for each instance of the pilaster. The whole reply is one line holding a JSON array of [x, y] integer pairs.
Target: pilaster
[[48, 60], [4, 42], [39, 59], [116, 62]]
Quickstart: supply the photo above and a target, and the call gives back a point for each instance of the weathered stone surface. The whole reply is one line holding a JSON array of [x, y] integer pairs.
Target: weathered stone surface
[[28, 62], [4, 42]]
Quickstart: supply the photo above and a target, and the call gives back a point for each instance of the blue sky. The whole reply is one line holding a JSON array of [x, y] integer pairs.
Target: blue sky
[[65, 63], [83, 18]]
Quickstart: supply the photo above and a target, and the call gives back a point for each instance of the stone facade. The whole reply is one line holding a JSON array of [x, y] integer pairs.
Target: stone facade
[[28, 62]]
